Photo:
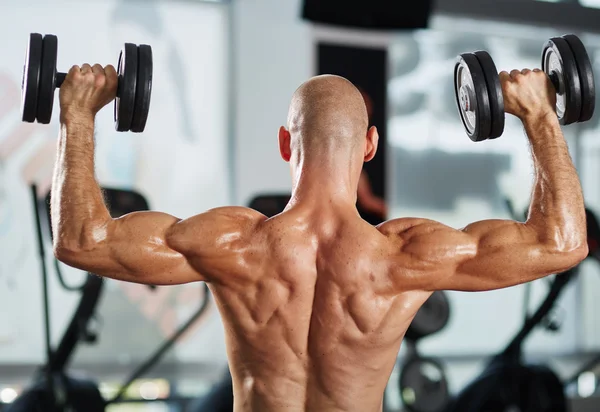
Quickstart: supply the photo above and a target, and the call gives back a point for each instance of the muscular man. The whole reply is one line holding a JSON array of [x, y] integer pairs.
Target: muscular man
[[315, 301]]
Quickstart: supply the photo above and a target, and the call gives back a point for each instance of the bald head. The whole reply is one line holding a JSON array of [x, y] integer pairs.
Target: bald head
[[328, 111]]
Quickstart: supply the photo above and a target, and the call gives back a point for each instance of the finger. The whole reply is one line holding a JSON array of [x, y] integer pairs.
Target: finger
[[504, 77], [515, 73], [525, 71], [537, 70], [86, 68], [505, 80], [110, 70], [97, 69], [74, 69], [112, 78]]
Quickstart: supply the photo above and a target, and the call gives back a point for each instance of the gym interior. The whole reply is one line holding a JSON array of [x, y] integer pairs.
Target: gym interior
[[223, 75]]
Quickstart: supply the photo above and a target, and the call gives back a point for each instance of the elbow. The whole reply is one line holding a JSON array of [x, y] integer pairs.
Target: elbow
[[64, 252], [580, 252], [572, 253], [70, 253], [72, 250]]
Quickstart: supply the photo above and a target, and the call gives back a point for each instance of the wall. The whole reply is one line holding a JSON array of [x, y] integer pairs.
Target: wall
[[273, 56]]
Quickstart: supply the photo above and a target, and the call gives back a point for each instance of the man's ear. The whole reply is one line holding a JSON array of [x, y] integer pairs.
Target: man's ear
[[285, 140], [372, 143]]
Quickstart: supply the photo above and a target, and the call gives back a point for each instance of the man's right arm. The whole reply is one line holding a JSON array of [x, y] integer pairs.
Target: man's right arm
[[495, 254]]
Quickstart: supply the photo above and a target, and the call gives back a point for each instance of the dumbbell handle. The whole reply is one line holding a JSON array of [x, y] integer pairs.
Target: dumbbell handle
[[555, 82], [60, 79]]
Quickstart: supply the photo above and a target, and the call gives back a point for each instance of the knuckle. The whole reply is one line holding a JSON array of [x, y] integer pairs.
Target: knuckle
[[100, 80]]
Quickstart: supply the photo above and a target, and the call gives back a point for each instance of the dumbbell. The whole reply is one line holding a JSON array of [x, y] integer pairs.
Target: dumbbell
[[40, 80], [479, 93]]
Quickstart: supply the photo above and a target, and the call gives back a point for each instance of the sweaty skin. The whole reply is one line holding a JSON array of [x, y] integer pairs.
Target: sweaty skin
[[315, 301]]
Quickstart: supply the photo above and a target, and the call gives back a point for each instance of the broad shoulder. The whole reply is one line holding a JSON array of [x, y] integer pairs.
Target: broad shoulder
[[408, 226], [213, 228], [227, 217]]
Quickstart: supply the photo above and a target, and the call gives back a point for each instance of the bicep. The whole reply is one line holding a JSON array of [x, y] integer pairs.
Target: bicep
[[136, 248], [162, 250], [486, 255], [510, 253], [505, 253]]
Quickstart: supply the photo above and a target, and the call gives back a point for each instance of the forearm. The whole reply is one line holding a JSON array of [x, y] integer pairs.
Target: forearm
[[79, 214], [557, 210]]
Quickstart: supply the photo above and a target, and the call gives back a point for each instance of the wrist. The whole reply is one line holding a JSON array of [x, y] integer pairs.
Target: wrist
[[539, 117], [78, 117]]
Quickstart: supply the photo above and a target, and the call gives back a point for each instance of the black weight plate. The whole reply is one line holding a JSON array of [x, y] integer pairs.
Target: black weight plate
[[494, 91], [516, 387], [477, 119], [432, 317], [558, 57], [31, 78], [143, 90], [586, 77], [47, 79], [127, 69], [423, 385]]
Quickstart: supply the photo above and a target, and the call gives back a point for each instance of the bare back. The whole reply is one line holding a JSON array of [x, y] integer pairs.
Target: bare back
[[318, 321], [316, 301]]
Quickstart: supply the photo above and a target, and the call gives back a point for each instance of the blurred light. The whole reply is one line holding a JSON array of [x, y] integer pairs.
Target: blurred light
[[8, 395], [594, 4], [409, 396], [108, 390], [149, 391], [586, 384]]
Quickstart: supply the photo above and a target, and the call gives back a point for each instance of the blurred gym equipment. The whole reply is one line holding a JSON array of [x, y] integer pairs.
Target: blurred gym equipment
[[422, 383], [53, 389], [508, 383]]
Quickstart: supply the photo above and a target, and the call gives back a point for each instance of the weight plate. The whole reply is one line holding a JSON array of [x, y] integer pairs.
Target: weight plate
[[495, 95], [127, 69], [512, 387], [143, 90], [47, 79], [586, 77], [472, 98], [557, 58], [432, 317], [423, 385], [31, 77]]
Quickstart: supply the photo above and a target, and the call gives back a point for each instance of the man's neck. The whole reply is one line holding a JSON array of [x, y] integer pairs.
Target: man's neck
[[324, 187]]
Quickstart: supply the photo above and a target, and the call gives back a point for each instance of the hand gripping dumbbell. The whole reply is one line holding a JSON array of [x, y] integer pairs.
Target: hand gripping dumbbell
[[479, 93], [40, 80]]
